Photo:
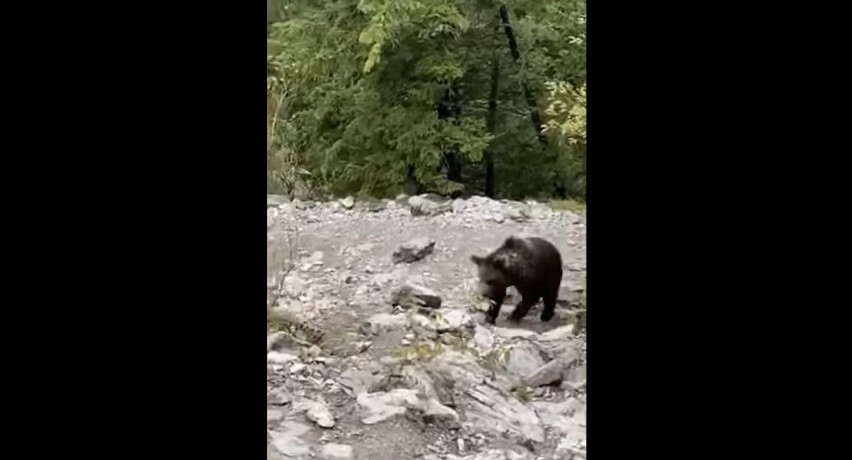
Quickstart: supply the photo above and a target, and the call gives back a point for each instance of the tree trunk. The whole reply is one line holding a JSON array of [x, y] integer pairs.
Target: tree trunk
[[450, 107], [491, 123], [412, 185], [535, 115]]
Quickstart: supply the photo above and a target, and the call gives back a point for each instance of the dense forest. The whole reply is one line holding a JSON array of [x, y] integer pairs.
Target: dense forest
[[457, 97]]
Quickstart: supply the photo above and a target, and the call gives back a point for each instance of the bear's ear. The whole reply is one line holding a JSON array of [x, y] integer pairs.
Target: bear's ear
[[512, 242], [477, 259]]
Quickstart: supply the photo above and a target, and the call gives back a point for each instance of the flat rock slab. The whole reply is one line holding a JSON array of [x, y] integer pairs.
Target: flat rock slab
[[332, 451], [381, 406], [428, 205], [411, 295], [287, 442], [315, 411], [413, 250], [491, 454]]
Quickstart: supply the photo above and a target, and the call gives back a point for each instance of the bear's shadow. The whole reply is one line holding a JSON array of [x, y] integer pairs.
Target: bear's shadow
[[565, 314]]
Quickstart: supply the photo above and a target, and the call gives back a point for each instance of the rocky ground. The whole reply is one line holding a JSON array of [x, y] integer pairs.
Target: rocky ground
[[377, 347]]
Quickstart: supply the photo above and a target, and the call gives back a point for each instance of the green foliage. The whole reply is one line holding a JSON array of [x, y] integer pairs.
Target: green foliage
[[523, 394], [276, 321], [354, 88], [497, 358], [567, 111], [421, 352], [568, 205]]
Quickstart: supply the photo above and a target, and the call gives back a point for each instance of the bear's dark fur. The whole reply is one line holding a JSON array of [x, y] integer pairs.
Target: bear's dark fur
[[532, 265]]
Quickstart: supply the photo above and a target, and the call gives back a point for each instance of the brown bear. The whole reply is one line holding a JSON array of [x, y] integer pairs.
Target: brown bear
[[532, 265]]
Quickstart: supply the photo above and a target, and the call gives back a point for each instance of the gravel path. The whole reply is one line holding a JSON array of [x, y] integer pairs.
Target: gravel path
[[391, 382]]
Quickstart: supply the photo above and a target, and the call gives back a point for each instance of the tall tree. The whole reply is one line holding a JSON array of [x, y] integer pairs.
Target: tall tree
[[371, 95]]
